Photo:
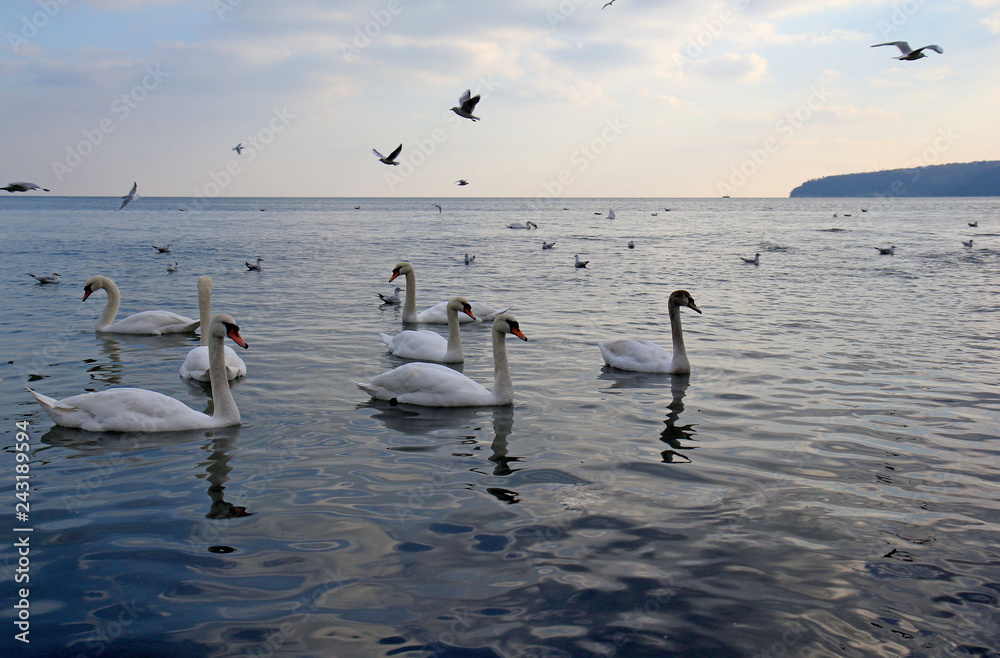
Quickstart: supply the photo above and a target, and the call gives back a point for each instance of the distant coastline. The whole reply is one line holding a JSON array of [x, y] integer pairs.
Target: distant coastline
[[960, 179]]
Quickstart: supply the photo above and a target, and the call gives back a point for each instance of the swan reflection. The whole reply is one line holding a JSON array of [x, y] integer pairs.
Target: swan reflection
[[112, 370], [220, 453]]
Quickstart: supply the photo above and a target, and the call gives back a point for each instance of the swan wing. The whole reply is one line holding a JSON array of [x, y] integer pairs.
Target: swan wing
[[195, 364], [423, 344], [429, 385], [438, 314], [636, 355], [124, 410], [154, 323], [485, 312]]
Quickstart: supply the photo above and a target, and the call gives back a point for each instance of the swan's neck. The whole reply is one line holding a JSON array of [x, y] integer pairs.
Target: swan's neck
[[222, 395], [205, 308], [503, 387], [111, 309], [679, 361], [410, 303], [454, 350]]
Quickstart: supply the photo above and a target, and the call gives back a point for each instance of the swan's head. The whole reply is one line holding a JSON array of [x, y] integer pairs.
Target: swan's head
[[506, 323], [224, 325], [682, 298], [204, 282], [94, 283], [462, 305], [401, 268]]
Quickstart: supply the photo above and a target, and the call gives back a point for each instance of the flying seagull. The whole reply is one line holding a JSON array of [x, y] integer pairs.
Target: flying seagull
[[46, 279], [907, 53], [466, 105], [22, 187], [238, 148], [608, 4], [128, 197], [461, 181], [438, 206], [391, 160]]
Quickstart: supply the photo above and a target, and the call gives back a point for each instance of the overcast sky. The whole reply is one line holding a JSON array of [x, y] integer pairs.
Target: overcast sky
[[641, 98]]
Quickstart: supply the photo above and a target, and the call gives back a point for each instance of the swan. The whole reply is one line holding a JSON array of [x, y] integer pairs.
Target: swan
[[390, 299], [580, 263], [437, 314], [644, 356], [427, 345], [197, 363], [887, 251], [254, 267], [435, 385], [141, 410], [752, 261], [527, 225], [147, 322], [548, 245], [54, 278]]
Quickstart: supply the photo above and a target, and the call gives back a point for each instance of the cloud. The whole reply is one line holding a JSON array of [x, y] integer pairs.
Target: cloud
[[750, 67]]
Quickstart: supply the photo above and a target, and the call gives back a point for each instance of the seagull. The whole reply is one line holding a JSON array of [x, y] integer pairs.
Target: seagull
[[967, 244], [46, 279], [128, 197], [608, 4], [469, 259], [254, 267], [974, 224], [527, 225], [438, 206], [466, 105], [461, 181], [357, 207], [909, 54], [391, 159], [238, 148], [752, 261], [390, 299], [631, 244], [653, 214], [163, 250], [172, 267], [547, 245], [887, 252], [580, 263], [22, 187]]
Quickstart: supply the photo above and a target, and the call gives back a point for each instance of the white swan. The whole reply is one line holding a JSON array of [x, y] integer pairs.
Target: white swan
[[141, 410], [427, 345], [197, 364], [644, 356], [147, 322], [437, 314], [435, 385], [527, 225]]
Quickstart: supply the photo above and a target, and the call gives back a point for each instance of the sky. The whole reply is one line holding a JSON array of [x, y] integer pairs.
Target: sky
[[642, 98]]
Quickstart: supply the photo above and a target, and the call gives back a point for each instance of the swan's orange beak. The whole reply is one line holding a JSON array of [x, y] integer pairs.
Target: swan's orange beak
[[234, 333], [86, 293], [392, 278], [468, 311], [517, 332]]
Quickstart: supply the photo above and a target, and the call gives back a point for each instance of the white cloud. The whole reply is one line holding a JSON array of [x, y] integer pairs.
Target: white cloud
[[732, 66]]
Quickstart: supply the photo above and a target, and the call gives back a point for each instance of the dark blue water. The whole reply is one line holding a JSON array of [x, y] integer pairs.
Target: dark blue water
[[824, 483]]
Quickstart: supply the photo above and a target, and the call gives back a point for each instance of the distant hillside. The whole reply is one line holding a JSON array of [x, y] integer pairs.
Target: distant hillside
[[964, 179]]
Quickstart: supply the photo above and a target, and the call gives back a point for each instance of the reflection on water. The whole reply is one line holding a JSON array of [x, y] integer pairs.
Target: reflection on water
[[673, 433], [220, 450]]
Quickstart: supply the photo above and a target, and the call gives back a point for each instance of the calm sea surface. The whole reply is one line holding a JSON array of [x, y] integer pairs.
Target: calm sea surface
[[826, 482]]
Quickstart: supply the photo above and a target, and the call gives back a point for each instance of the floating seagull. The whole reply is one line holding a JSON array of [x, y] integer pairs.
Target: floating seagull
[[887, 251], [466, 105], [172, 267], [967, 244], [864, 210], [631, 244], [653, 214], [547, 245], [974, 224], [128, 197], [578, 262], [752, 261], [438, 206], [527, 225], [238, 148], [46, 279], [611, 213], [461, 181], [254, 267], [22, 187], [357, 207], [390, 299], [391, 160], [469, 259], [908, 53], [163, 250]]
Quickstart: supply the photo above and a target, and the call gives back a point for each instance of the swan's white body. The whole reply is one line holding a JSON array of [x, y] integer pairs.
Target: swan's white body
[[152, 323], [54, 278], [140, 410], [197, 364], [578, 262], [644, 356], [752, 261], [427, 345], [437, 314], [435, 385], [527, 225]]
